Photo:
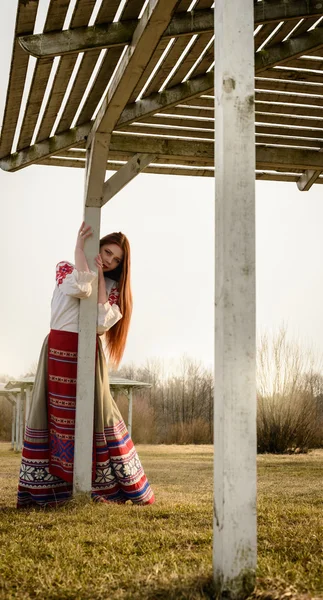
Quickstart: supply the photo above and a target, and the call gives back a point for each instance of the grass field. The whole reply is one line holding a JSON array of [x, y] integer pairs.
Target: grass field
[[88, 551]]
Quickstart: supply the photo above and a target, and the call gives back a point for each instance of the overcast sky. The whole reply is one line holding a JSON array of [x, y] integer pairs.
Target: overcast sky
[[170, 224]]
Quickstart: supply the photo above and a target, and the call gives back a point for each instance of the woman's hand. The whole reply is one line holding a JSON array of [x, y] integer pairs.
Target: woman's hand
[[99, 264], [84, 232]]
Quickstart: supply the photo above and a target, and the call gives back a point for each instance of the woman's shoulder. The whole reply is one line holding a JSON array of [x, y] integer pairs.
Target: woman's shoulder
[[63, 269]]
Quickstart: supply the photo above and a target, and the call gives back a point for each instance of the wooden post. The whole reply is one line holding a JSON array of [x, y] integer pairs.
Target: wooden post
[[129, 411], [94, 178], [13, 427], [234, 554], [18, 411], [27, 406], [21, 418]]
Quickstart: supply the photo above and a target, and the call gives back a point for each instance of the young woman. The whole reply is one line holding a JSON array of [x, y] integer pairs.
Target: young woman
[[46, 474]]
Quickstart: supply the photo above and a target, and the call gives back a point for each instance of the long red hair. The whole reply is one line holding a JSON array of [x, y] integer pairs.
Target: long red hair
[[116, 337]]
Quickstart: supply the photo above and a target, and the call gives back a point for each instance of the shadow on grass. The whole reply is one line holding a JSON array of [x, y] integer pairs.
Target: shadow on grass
[[193, 588]]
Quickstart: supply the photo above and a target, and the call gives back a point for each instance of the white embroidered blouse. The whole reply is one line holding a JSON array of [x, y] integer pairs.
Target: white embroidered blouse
[[71, 286]]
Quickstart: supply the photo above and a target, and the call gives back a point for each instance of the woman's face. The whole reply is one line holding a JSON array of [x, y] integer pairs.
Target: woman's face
[[111, 255]]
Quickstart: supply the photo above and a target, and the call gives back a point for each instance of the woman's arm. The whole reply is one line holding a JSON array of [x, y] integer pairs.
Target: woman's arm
[[84, 232], [102, 294]]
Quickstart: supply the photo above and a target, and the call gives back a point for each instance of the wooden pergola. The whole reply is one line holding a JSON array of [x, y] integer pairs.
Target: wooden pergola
[[131, 85]]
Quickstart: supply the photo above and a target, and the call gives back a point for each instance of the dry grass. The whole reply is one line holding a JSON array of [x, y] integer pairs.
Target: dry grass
[[88, 551]]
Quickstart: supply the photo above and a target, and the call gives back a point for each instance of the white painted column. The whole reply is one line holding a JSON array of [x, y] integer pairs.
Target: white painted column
[[234, 554], [21, 418], [94, 179], [13, 427], [27, 405], [129, 410], [18, 416]]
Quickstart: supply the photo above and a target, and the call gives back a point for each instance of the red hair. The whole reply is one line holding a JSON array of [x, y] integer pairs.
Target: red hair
[[116, 337]]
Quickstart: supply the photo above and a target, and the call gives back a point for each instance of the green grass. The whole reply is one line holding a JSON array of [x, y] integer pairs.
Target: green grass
[[88, 551]]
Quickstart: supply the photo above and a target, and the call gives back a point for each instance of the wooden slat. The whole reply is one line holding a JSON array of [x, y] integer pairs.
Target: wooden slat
[[201, 4], [168, 64], [55, 20], [285, 109], [289, 120], [289, 74], [63, 74], [169, 132], [132, 9], [305, 63], [106, 15], [289, 131], [204, 113], [82, 78], [316, 100], [26, 17], [104, 74], [183, 6], [200, 43], [205, 63], [80, 17], [82, 13], [149, 69], [263, 34], [107, 11], [203, 102], [292, 87], [305, 25], [285, 29], [178, 122]]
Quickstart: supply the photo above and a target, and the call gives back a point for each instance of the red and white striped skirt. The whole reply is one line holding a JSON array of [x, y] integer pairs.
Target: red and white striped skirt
[[46, 474]]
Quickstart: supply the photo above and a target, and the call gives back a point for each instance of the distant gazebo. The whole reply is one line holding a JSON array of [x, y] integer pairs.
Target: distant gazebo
[[19, 393]]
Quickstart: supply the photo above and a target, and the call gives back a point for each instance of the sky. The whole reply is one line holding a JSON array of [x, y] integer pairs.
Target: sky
[[169, 221]]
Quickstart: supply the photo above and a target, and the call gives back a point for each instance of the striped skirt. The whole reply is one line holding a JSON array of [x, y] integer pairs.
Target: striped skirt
[[46, 474]]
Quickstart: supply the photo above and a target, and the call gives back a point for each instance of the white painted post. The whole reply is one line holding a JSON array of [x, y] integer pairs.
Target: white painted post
[[27, 405], [18, 415], [129, 410], [94, 179], [21, 419], [13, 426], [234, 554]]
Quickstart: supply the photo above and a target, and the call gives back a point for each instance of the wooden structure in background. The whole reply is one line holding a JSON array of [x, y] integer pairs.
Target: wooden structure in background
[[128, 85], [19, 393]]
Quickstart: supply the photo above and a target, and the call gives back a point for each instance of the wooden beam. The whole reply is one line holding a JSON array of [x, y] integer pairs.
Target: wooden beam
[[162, 147], [125, 174], [294, 47], [160, 101], [167, 148], [269, 11], [235, 540], [307, 179], [145, 39], [44, 149], [82, 39], [272, 158], [109, 35]]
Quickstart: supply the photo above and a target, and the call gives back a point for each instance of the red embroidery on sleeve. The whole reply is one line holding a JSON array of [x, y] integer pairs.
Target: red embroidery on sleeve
[[62, 270], [114, 296]]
